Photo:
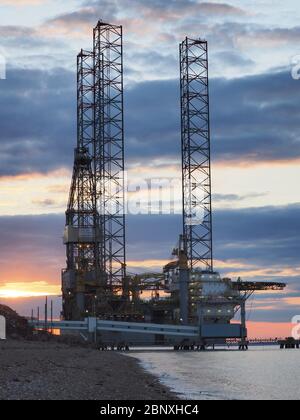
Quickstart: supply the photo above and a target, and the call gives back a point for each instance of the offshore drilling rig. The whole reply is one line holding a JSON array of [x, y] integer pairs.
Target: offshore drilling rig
[[95, 282]]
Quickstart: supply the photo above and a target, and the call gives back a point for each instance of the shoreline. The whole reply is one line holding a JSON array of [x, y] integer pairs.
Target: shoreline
[[34, 370]]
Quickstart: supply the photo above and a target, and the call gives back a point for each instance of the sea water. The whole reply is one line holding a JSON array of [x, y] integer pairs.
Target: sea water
[[262, 373]]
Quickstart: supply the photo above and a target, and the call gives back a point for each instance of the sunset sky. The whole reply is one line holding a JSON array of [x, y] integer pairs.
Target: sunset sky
[[254, 48]]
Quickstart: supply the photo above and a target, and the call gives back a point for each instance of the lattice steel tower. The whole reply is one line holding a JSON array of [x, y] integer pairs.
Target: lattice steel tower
[[196, 156], [109, 128], [95, 219]]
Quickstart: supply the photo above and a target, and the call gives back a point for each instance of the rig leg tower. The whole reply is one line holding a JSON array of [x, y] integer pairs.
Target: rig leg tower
[[196, 154], [93, 282]]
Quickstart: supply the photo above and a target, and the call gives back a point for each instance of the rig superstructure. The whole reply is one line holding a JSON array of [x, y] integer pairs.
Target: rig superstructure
[[95, 282]]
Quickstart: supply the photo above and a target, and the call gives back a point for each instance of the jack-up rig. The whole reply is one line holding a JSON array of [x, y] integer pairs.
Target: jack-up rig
[[95, 282]]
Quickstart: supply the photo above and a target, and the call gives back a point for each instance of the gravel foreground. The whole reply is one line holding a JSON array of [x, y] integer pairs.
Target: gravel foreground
[[54, 371]]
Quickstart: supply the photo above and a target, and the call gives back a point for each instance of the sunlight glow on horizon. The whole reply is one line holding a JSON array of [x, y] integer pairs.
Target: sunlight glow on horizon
[[30, 287], [15, 294], [28, 290]]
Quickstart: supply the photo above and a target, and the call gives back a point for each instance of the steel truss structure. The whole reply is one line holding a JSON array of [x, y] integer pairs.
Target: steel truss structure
[[196, 154], [95, 218], [109, 129]]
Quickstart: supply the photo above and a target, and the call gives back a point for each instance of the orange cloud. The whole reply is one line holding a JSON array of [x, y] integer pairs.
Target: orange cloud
[[241, 163], [148, 264], [292, 301], [31, 271], [148, 23], [232, 264], [26, 290], [34, 193], [266, 272]]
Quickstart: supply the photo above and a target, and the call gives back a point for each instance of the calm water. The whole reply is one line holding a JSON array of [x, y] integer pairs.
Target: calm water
[[259, 374]]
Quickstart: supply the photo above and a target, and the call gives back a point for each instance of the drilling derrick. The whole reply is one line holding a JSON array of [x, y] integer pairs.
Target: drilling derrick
[[84, 276], [196, 161], [109, 129]]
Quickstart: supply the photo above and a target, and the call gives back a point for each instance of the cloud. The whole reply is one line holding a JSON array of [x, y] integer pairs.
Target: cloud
[[165, 11], [261, 244], [254, 119], [251, 34], [274, 38], [224, 24], [82, 20], [233, 59], [20, 37], [16, 31], [152, 20], [256, 239], [23, 290], [234, 197], [220, 9], [45, 203], [245, 239], [241, 42], [266, 236], [41, 135], [22, 2], [37, 239]]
